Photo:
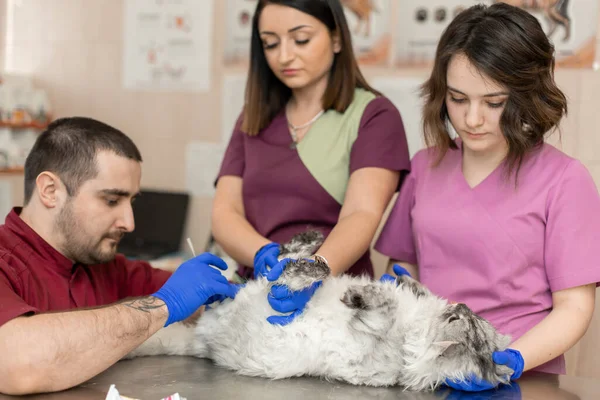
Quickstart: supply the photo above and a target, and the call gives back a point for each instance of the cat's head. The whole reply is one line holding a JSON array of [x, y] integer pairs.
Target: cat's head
[[463, 343]]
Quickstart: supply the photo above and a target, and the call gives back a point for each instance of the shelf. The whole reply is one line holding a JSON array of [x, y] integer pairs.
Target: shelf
[[11, 171], [30, 125]]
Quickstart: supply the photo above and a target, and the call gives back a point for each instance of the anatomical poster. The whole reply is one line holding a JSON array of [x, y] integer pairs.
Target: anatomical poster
[[369, 22], [167, 45], [571, 25]]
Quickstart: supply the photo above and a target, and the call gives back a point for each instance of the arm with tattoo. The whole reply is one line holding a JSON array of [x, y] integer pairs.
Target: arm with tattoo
[[55, 351], [72, 347]]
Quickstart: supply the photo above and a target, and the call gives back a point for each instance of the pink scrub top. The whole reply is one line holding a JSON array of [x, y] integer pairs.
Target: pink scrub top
[[499, 248]]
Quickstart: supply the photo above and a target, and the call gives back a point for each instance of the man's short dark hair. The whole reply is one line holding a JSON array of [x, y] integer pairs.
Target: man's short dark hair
[[68, 148]]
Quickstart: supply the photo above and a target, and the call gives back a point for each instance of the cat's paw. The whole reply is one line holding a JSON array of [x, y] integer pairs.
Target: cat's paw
[[302, 273], [503, 373], [367, 297], [302, 245], [374, 308], [414, 286], [494, 373]]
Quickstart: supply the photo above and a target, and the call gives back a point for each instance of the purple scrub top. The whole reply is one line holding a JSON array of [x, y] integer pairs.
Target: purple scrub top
[[281, 198]]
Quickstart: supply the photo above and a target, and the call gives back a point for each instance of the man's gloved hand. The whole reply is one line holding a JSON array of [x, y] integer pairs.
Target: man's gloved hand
[[398, 270], [509, 357], [220, 297], [283, 300], [265, 258], [192, 285]]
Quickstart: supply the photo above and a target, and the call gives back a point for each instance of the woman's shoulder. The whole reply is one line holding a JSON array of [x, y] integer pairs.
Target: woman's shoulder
[[378, 104], [380, 111], [549, 160], [550, 168], [428, 157]]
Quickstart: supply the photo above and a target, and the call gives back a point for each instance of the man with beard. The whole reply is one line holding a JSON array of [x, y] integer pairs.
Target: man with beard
[[70, 307]]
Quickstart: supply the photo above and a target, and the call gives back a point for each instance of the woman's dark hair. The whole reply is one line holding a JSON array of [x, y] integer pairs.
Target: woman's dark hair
[[508, 45], [266, 95]]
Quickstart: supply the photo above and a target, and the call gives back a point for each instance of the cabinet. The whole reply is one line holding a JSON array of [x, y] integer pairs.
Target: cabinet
[[24, 113]]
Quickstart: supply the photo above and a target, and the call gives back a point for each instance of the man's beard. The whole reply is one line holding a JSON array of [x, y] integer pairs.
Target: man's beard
[[77, 245]]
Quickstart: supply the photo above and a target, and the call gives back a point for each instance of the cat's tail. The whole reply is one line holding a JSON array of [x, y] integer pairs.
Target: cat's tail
[[175, 340]]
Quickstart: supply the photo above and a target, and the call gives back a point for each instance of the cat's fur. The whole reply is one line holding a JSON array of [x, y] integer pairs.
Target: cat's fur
[[353, 329]]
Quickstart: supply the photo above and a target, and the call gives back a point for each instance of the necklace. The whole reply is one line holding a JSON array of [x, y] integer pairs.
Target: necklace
[[294, 128]]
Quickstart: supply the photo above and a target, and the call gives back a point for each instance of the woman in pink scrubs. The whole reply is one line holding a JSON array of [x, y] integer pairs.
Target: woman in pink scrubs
[[314, 148], [496, 218]]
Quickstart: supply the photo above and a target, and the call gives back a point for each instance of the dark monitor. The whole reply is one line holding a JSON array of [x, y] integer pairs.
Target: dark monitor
[[159, 224]]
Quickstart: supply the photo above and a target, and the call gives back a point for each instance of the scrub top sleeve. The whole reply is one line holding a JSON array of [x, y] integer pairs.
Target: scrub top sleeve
[[572, 242], [234, 161], [381, 140], [396, 238], [11, 304]]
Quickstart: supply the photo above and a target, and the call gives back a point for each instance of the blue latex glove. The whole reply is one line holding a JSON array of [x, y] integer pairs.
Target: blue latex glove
[[509, 357], [265, 258], [398, 270], [283, 300], [192, 285], [220, 297], [504, 392]]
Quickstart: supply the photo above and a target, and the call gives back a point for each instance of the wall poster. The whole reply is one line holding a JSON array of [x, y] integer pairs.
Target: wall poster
[[369, 23], [570, 25]]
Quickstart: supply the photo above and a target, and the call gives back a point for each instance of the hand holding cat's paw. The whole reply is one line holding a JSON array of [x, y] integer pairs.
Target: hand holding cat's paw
[[277, 269], [298, 281], [512, 359], [387, 278], [283, 300], [265, 259], [470, 384], [502, 392], [509, 357], [398, 270], [298, 274]]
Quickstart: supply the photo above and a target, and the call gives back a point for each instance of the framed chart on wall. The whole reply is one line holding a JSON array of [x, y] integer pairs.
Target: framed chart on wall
[[369, 22], [162, 44], [571, 25], [238, 31], [370, 26]]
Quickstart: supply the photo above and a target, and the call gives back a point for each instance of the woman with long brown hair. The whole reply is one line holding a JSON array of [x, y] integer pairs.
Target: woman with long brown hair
[[496, 218], [315, 147]]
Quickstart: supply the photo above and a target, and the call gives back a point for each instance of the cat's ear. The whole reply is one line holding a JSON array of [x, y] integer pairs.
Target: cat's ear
[[445, 347]]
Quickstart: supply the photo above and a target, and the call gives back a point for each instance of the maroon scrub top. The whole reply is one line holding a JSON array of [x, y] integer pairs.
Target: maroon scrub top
[[281, 198], [35, 278]]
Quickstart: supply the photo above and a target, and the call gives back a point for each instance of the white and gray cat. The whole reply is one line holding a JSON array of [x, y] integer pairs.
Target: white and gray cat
[[353, 329]]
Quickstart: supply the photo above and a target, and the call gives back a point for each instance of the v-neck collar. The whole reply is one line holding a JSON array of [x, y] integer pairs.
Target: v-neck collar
[[492, 176]]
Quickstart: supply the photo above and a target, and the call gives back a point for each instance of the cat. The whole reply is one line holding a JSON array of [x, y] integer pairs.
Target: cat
[[354, 329]]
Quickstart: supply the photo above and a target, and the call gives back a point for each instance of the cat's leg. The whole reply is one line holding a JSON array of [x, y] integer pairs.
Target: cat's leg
[[413, 285], [175, 340], [374, 305], [302, 273], [301, 245]]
